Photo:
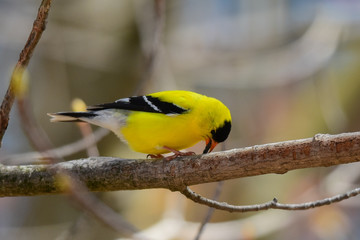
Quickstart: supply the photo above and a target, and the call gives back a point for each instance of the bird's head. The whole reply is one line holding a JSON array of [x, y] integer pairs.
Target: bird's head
[[220, 126], [218, 135]]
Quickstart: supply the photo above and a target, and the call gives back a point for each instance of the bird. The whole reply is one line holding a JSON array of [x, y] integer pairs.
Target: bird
[[161, 122]]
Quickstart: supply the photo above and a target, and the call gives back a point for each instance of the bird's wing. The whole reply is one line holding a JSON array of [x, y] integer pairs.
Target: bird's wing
[[142, 103]]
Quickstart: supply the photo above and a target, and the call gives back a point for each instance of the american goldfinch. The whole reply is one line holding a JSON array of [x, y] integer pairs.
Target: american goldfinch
[[160, 122]]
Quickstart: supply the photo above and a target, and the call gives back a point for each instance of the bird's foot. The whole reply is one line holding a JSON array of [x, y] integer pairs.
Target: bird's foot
[[154, 156], [177, 153]]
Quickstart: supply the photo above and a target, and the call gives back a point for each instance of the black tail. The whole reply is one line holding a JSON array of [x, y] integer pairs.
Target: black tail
[[70, 116]]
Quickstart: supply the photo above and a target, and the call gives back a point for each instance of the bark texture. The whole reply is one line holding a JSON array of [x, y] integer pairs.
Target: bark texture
[[110, 174]]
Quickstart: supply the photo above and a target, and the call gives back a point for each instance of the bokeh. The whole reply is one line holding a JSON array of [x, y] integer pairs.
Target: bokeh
[[286, 69]]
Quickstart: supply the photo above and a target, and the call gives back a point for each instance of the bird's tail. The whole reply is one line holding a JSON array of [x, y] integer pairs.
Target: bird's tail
[[71, 116]]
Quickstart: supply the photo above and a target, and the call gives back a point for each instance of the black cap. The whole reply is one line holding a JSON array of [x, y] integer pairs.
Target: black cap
[[221, 133]]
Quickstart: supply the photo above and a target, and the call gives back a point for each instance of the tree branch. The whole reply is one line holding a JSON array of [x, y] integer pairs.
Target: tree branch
[[274, 204], [110, 174], [151, 42], [61, 152], [210, 211], [24, 58]]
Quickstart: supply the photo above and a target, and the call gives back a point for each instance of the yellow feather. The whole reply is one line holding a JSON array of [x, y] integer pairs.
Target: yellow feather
[[149, 132]]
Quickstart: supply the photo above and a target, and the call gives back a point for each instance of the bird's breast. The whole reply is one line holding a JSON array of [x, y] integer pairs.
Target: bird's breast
[[149, 132]]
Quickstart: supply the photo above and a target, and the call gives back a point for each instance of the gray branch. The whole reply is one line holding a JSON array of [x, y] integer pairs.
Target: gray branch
[[111, 174], [274, 204]]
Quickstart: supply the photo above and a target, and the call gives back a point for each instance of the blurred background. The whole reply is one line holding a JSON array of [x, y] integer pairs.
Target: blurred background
[[286, 69]]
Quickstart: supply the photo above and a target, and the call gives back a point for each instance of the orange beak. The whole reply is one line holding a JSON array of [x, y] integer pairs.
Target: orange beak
[[210, 145]]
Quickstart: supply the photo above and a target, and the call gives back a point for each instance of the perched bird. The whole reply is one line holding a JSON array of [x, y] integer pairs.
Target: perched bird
[[160, 122]]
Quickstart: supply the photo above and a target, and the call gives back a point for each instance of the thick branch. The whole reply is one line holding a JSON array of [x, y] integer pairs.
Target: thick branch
[[109, 174]]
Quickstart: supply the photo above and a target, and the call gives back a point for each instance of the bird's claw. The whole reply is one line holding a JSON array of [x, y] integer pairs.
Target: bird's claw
[[154, 156], [179, 154], [171, 157]]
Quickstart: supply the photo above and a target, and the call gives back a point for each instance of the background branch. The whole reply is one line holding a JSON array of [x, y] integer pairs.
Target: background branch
[[110, 174], [221, 52], [25, 55], [66, 181], [63, 151], [151, 33], [210, 212]]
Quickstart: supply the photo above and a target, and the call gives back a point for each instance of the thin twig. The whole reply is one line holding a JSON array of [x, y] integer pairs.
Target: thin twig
[[77, 190], [274, 204], [78, 105], [92, 150], [88, 202], [151, 54], [215, 198], [42, 143], [63, 151], [87, 133], [25, 56], [37, 136], [210, 211]]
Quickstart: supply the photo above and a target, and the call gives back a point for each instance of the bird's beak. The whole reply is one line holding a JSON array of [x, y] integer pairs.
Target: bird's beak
[[210, 145]]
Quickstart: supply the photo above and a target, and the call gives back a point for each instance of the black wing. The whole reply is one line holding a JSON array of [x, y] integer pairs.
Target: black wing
[[143, 104]]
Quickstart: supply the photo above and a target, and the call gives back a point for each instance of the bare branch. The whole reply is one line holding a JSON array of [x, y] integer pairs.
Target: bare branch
[[36, 135], [210, 211], [91, 204], [61, 152], [110, 174], [151, 42], [25, 55], [66, 181], [274, 204], [86, 132]]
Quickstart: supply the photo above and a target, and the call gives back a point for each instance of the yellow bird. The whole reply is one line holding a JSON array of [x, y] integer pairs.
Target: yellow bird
[[160, 122]]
